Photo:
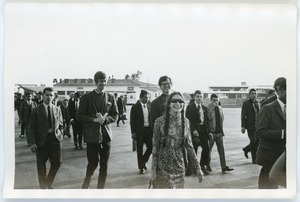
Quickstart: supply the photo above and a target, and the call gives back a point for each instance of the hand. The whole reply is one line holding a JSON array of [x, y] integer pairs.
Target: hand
[[211, 136], [243, 130], [133, 136], [195, 133], [101, 118], [33, 148], [199, 175]]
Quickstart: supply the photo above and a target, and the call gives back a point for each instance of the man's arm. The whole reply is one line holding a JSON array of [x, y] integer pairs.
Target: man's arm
[[112, 113], [82, 112]]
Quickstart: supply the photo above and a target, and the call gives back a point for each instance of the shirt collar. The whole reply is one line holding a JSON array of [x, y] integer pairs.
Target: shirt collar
[[197, 104], [281, 104]]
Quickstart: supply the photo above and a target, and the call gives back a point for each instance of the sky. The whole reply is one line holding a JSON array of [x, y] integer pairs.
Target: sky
[[197, 45]]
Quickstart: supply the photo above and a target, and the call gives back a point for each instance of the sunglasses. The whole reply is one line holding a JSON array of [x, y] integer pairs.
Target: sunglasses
[[175, 101]]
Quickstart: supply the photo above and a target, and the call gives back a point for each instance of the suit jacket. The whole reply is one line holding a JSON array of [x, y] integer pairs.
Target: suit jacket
[[158, 108], [38, 125], [25, 111], [120, 105], [269, 100], [271, 122], [194, 118], [248, 114], [137, 117], [87, 112], [72, 110], [212, 119]]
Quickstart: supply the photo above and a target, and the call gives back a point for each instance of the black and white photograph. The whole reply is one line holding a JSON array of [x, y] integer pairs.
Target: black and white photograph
[[133, 99]]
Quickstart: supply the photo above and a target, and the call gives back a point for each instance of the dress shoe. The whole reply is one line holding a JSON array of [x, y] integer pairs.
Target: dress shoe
[[245, 153], [86, 183], [142, 171], [76, 147], [204, 171], [21, 136], [118, 125], [226, 168], [50, 187], [208, 168]]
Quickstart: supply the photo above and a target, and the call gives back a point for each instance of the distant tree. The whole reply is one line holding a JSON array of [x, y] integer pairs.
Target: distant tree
[[134, 76]]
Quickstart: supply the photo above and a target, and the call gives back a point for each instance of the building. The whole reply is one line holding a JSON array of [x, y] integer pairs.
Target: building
[[128, 87]]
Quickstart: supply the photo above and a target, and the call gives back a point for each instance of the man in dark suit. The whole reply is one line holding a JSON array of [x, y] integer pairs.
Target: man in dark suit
[[120, 104], [76, 124], [196, 112], [140, 129], [159, 105], [249, 115], [274, 96], [25, 111], [45, 138], [271, 131], [97, 110]]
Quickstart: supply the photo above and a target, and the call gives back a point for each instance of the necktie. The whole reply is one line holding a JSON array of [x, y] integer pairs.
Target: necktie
[[76, 107], [49, 118], [218, 125], [144, 105]]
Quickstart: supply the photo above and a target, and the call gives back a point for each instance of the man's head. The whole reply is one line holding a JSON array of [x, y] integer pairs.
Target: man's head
[[282, 91], [144, 96], [198, 97], [116, 95], [48, 95], [71, 95], [28, 96], [214, 99], [76, 96], [39, 95], [100, 80], [55, 95], [277, 83], [165, 84], [271, 92], [252, 94]]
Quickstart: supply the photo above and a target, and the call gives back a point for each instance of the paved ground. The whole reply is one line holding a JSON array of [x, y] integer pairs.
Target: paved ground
[[123, 172]]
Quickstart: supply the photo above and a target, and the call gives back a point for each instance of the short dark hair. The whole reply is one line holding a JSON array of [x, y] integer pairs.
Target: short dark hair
[[252, 89], [143, 92], [282, 85], [77, 94], [271, 91], [99, 75], [277, 83], [47, 89], [164, 78], [197, 92], [213, 96]]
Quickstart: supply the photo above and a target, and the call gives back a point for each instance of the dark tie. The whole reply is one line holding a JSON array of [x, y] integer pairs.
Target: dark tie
[[49, 118], [217, 115], [76, 105], [144, 105]]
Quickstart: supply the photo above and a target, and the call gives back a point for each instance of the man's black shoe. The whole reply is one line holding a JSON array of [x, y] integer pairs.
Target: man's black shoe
[[142, 171], [208, 168], [204, 171], [245, 153], [226, 168]]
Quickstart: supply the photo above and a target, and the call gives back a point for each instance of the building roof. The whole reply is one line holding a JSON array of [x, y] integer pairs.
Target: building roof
[[32, 89], [110, 82]]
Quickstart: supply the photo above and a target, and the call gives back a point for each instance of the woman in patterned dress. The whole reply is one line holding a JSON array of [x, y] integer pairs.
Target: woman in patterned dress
[[171, 136]]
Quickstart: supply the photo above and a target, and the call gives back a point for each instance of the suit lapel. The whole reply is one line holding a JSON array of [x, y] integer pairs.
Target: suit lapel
[[279, 110], [44, 110]]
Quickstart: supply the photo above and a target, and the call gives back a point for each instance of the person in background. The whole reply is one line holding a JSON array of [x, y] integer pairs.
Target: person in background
[[45, 130], [140, 129], [249, 115], [25, 112], [120, 104], [271, 131], [216, 132], [171, 138], [97, 111], [276, 88], [271, 93], [196, 113], [76, 124], [159, 105]]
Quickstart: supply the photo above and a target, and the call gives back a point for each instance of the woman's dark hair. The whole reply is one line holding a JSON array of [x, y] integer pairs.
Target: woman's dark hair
[[166, 129]]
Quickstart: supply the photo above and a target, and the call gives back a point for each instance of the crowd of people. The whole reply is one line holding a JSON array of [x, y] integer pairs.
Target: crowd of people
[[171, 132]]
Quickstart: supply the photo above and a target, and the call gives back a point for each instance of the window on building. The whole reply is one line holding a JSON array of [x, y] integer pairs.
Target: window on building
[[66, 80], [61, 92], [82, 80]]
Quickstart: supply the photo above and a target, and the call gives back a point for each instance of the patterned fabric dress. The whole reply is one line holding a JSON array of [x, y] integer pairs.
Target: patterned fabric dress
[[168, 161]]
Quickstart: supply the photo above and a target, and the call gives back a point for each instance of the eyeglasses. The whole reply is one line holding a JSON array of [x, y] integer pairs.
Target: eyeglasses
[[175, 101]]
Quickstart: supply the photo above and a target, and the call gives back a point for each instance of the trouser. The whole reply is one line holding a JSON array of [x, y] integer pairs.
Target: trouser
[[145, 137], [264, 181], [50, 151], [23, 126], [218, 138], [204, 160], [278, 171], [94, 151], [77, 132], [120, 118], [252, 147]]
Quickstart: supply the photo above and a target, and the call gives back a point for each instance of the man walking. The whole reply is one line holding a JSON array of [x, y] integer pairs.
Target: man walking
[[271, 131], [140, 129], [45, 130], [216, 133], [249, 115], [97, 111], [196, 112]]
